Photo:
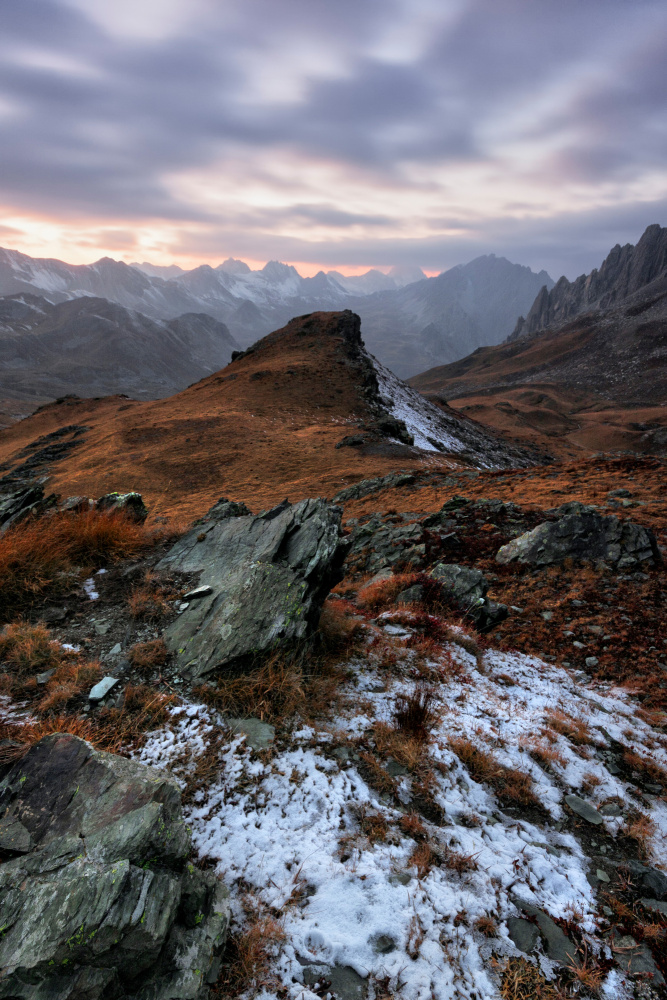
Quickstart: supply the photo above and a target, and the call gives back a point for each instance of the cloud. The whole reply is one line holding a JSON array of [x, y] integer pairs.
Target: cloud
[[408, 130]]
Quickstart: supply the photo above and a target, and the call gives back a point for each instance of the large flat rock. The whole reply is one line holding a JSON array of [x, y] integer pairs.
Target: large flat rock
[[268, 577]]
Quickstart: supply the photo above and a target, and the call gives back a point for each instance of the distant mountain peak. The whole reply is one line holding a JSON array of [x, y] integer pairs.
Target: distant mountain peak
[[233, 266], [275, 270]]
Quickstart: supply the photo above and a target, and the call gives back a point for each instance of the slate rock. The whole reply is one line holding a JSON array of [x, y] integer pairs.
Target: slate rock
[[584, 809], [659, 905], [269, 575], [20, 503], [523, 933], [75, 505], [635, 959], [258, 735], [102, 688], [557, 945], [654, 883], [586, 536], [413, 595], [468, 589], [368, 486], [99, 905], [346, 984], [131, 504], [376, 546]]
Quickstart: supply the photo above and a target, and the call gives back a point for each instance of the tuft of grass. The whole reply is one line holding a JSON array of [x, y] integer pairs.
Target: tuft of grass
[[647, 767], [383, 593], [42, 555], [372, 824], [277, 691], [147, 656], [28, 649], [575, 730], [486, 925], [149, 601], [641, 828], [423, 858], [249, 954], [523, 981], [414, 713], [545, 756], [17, 738], [511, 786], [338, 631]]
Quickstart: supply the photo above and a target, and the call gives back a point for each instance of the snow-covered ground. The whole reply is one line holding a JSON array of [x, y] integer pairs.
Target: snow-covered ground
[[287, 825]]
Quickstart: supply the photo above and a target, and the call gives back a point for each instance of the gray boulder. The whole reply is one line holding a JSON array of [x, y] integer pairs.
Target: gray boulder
[[131, 504], [97, 900], [269, 576], [21, 502], [376, 546], [468, 588], [583, 535]]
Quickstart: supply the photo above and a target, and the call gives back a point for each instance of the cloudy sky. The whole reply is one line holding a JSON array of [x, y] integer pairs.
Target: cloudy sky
[[332, 133]]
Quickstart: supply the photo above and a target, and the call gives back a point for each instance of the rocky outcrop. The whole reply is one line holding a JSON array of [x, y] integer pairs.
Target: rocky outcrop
[[268, 577], [625, 271], [583, 534], [468, 588], [97, 899], [20, 503], [131, 504]]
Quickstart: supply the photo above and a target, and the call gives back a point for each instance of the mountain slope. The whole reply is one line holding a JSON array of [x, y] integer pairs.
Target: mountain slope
[[302, 413], [443, 318], [597, 383], [93, 347]]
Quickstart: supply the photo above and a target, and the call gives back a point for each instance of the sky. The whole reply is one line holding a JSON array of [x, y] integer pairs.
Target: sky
[[332, 133]]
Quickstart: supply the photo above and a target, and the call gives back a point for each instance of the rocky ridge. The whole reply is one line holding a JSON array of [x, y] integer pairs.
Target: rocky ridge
[[625, 271]]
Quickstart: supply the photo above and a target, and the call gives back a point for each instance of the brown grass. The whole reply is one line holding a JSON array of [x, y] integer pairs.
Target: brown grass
[[512, 787], [414, 713], [20, 737], [423, 858], [398, 744], [277, 691], [486, 925], [576, 730], [147, 656], [383, 593], [640, 828], [372, 824], [338, 631], [545, 756], [248, 955], [28, 650], [412, 826], [646, 766], [148, 602], [523, 981], [44, 555]]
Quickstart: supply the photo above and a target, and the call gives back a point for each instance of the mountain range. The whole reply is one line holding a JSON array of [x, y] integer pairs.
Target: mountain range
[[586, 368], [409, 324], [92, 347]]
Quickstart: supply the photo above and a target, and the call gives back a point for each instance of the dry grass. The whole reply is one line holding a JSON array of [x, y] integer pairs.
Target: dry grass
[[575, 730], [545, 756], [640, 829], [486, 925], [456, 862], [149, 601], [372, 824], [28, 650], [338, 631], [523, 981], [248, 955], [412, 826], [398, 744], [512, 787], [277, 691], [646, 766], [44, 555], [19, 737], [414, 713], [148, 656], [423, 858], [383, 593]]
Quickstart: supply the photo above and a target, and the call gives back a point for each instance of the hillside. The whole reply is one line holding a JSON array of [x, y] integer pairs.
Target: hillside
[[304, 412], [598, 382], [93, 347]]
